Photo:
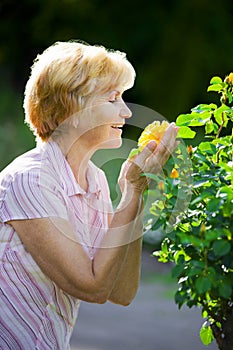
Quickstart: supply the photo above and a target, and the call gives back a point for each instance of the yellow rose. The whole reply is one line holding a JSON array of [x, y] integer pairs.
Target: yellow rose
[[190, 149], [153, 131], [161, 186], [230, 78], [174, 174]]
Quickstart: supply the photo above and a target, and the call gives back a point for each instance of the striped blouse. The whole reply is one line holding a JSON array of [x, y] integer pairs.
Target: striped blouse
[[34, 312]]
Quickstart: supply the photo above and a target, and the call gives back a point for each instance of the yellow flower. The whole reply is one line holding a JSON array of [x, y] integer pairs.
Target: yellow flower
[[230, 78], [161, 186], [190, 149], [153, 131], [174, 174]]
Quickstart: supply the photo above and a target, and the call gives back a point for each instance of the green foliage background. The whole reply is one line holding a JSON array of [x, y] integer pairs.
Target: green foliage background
[[175, 46]]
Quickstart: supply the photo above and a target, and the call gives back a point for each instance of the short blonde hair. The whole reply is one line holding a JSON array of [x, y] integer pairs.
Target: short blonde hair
[[65, 76]]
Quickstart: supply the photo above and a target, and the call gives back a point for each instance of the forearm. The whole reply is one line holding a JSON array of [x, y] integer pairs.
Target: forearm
[[127, 281], [121, 247]]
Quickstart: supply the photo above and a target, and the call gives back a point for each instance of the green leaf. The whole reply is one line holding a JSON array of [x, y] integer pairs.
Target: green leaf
[[221, 247], [227, 209], [209, 127], [157, 225], [213, 205], [212, 235], [180, 298], [215, 87], [177, 270], [225, 290], [194, 271], [229, 96], [186, 133], [203, 107], [196, 118], [206, 334], [204, 314], [184, 119], [216, 80], [151, 176], [225, 192], [200, 183], [220, 114], [202, 284], [207, 147], [200, 197], [133, 152]]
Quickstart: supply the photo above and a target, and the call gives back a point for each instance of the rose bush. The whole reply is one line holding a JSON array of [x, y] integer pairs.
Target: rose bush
[[199, 239]]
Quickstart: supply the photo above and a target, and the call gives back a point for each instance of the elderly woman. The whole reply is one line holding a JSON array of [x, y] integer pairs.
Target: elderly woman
[[61, 242]]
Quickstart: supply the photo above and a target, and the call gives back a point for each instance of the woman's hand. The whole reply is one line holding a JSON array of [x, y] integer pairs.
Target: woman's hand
[[151, 160]]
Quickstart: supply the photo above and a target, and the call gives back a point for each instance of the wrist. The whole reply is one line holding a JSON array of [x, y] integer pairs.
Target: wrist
[[138, 186], [132, 193]]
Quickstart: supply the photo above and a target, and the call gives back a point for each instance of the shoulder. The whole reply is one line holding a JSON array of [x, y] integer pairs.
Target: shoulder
[[30, 188], [20, 168], [33, 172], [35, 166]]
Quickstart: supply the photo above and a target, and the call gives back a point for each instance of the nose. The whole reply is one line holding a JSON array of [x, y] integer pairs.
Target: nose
[[125, 112]]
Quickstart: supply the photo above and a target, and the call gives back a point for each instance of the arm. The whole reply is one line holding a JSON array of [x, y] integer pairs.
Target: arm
[[65, 262], [128, 279]]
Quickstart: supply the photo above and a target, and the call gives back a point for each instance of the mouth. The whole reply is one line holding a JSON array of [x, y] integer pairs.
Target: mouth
[[117, 126]]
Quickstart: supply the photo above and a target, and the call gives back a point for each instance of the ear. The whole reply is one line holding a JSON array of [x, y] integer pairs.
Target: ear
[[75, 122]]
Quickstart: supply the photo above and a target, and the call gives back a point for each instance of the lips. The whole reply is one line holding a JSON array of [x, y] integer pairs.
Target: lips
[[117, 126]]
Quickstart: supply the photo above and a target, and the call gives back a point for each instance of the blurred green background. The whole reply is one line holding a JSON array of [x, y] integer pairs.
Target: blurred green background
[[176, 46]]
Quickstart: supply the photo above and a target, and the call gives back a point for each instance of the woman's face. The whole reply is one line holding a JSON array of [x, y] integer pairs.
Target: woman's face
[[101, 123]]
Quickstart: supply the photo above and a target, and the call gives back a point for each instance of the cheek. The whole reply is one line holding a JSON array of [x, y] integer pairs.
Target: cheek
[[101, 131]]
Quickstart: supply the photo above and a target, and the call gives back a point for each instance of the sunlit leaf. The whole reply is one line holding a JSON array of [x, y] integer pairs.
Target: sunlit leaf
[[186, 133], [133, 152], [209, 127], [208, 147], [215, 87], [220, 114], [206, 334], [216, 80]]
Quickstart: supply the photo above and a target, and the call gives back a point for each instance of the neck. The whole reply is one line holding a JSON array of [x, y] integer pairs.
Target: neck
[[78, 156]]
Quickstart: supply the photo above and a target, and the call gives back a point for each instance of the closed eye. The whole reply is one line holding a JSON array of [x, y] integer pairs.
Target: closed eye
[[115, 96], [113, 100]]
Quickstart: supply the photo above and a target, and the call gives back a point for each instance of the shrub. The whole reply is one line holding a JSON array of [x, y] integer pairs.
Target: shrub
[[199, 240]]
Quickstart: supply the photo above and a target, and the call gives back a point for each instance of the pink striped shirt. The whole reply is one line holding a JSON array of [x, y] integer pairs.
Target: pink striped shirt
[[34, 312]]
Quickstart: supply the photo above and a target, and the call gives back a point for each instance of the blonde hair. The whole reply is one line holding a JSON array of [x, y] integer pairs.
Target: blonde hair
[[65, 76]]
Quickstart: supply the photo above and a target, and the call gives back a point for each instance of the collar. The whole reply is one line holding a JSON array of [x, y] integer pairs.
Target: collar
[[53, 156]]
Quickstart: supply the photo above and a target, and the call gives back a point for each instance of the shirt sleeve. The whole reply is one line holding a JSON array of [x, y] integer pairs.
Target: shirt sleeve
[[31, 195]]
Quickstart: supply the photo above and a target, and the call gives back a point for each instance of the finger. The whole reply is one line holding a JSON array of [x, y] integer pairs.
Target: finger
[[169, 137], [164, 150], [168, 142], [147, 151]]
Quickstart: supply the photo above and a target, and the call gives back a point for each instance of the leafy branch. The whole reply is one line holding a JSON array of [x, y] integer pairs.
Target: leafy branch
[[199, 240]]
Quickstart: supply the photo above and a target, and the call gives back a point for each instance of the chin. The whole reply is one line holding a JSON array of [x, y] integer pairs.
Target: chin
[[116, 143]]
